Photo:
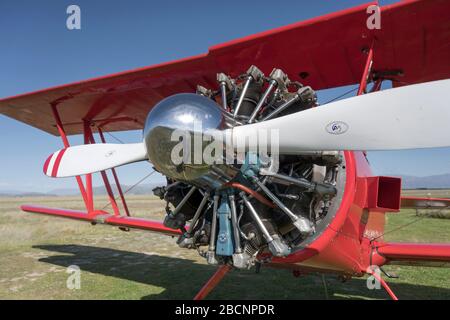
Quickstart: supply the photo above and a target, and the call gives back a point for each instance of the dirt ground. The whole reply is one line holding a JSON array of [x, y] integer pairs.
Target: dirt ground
[[35, 252]]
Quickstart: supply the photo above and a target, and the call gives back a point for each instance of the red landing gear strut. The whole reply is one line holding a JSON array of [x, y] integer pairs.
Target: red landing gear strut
[[213, 282], [384, 284]]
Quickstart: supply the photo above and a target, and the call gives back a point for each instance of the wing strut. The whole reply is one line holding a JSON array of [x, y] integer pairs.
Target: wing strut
[[123, 221], [85, 186]]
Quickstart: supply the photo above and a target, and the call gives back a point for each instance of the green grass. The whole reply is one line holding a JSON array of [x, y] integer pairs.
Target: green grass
[[36, 250]]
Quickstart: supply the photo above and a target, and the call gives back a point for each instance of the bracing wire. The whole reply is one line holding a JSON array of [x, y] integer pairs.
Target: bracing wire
[[407, 224], [114, 137], [341, 96], [130, 188]]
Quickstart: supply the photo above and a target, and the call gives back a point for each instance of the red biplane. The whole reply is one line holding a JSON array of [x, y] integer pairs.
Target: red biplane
[[315, 207]]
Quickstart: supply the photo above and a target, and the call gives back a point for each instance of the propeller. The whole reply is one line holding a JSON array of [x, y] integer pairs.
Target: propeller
[[89, 158], [410, 117]]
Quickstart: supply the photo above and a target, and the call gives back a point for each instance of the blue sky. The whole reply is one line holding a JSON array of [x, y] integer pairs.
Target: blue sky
[[38, 51]]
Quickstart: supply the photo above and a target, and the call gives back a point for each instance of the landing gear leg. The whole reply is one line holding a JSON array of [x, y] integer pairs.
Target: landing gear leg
[[213, 282], [384, 284]]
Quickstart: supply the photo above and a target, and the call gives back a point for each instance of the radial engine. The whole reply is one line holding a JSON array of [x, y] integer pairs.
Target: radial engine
[[238, 207]]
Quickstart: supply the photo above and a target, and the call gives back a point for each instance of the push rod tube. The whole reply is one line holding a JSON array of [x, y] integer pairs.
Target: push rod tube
[[320, 188], [242, 96], [183, 202], [212, 239], [301, 223], [287, 104], [281, 108], [256, 218], [275, 199], [223, 91], [198, 212], [237, 238], [272, 84]]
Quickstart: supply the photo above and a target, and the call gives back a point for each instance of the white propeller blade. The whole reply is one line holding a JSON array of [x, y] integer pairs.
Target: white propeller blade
[[83, 159], [410, 117]]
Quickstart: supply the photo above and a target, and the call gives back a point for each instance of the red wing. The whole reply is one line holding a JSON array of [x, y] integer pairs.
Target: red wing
[[416, 253], [102, 217], [322, 52], [424, 203]]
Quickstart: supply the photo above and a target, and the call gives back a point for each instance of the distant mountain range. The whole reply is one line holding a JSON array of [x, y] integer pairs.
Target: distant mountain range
[[441, 181], [137, 190]]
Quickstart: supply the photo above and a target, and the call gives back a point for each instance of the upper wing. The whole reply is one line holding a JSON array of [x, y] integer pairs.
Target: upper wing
[[322, 52]]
